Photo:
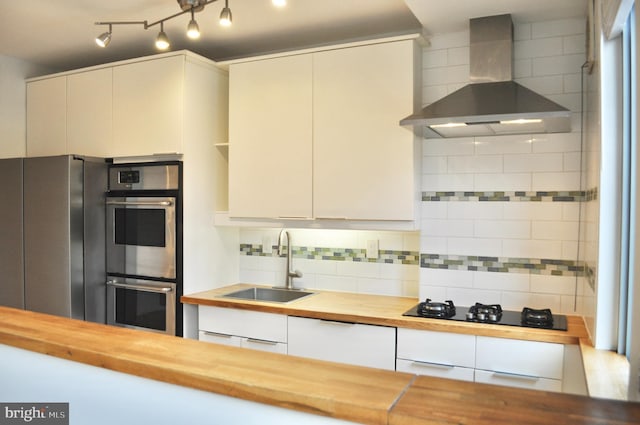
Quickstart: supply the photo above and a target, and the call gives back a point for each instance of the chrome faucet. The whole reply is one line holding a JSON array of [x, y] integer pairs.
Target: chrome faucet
[[289, 275]]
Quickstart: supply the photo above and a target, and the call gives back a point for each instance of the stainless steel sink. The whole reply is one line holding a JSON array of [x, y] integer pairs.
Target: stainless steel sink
[[268, 294]]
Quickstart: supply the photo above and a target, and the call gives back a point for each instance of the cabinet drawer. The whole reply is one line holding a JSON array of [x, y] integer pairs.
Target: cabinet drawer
[[435, 369], [529, 358], [217, 338], [437, 347], [364, 345], [520, 381], [249, 324], [262, 345]]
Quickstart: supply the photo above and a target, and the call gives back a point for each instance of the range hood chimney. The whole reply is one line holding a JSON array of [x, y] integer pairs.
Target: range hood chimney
[[492, 103]]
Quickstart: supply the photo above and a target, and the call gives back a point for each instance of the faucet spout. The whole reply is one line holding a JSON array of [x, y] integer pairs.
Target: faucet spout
[[289, 274]]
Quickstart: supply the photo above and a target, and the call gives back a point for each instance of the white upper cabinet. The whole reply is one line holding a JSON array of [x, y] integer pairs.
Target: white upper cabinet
[[130, 108], [270, 133], [148, 106], [317, 135], [363, 160], [47, 117], [89, 112]]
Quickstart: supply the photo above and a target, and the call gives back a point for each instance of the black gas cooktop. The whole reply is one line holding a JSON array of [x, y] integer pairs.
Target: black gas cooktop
[[490, 314]]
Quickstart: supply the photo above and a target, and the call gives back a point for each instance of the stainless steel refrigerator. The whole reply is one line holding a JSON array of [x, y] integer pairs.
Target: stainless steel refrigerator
[[54, 227]]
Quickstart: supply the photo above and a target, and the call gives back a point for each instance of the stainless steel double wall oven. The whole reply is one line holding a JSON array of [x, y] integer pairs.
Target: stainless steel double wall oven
[[144, 246]]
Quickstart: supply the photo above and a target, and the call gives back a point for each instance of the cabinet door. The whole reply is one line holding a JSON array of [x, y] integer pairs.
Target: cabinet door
[[270, 134], [47, 117], [148, 107], [89, 113], [362, 159], [363, 345]]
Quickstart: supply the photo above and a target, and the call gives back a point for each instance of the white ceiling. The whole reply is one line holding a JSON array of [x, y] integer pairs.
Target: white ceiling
[[60, 33]]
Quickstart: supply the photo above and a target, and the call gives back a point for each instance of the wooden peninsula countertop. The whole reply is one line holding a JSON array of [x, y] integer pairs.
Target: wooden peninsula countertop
[[384, 311], [359, 394]]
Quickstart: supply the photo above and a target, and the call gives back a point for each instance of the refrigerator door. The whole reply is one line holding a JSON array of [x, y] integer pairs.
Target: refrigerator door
[[52, 236], [11, 248]]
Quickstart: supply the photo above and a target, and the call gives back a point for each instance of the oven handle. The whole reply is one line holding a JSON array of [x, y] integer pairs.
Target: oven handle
[[163, 290], [146, 203]]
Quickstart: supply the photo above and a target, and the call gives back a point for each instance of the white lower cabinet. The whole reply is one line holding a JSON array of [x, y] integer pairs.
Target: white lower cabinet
[[243, 328], [440, 354], [351, 343], [524, 364]]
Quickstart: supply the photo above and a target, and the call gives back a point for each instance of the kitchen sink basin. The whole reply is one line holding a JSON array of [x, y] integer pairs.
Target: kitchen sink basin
[[268, 294]]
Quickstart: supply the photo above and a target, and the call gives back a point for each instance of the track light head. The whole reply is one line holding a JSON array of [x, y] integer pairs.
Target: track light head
[[193, 30], [225, 16], [162, 41], [279, 3], [103, 39]]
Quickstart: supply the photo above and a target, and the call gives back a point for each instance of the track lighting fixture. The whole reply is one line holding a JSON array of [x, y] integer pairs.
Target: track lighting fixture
[[187, 6], [162, 41]]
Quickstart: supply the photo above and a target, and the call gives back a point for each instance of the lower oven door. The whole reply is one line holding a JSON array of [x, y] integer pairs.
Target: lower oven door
[[142, 304]]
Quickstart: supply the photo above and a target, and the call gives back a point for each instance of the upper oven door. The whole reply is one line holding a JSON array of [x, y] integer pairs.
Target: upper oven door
[[141, 236]]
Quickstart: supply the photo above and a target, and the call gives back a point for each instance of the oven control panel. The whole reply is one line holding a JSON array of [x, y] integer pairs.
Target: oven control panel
[[146, 176]]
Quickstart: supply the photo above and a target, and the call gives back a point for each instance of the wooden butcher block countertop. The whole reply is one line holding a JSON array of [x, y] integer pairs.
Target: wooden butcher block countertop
[[359, 394], [353, 393], [447, 402], [384, 311]]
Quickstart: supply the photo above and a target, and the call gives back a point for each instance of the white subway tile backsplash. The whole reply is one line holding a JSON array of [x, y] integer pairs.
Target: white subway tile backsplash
[[336, 283], [544, 284], [574, 44], [434, 165], [435, 210], [379, 287], [556, 142], [518, 282], [558, 65], [535, 48], [458, 56], [447, 75], [554, 230], [474, 210], [475, 164], [448, 147], [561, 27], [522, 31], [533, 211], [447, 228], [571, 101], [505, 181], [434, 58], [437, 277], [450, 40], [531, 248], [447, 182], [434, 292], [492, 145], [555, 181], [535, 162], [572, 83], [571, 211], [474, 246], [502, 229], [522, 68], [468, 297], [433, 244], [572, 161]]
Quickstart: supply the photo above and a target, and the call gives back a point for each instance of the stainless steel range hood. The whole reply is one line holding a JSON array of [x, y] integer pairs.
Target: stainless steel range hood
[[492, 103]]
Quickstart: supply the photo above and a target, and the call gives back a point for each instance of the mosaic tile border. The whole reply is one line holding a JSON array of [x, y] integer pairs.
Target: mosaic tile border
[[502, 265], [338, 254], [513, 196]]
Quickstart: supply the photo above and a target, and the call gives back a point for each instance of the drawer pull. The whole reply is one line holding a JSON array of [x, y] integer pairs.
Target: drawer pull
[[433, 365], [516, 376], [333, 322], [261, 341], [215, 334]]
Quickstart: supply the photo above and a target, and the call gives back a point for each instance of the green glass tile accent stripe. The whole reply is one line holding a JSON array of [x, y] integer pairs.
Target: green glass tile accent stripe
[[338, 254], [514, 196], [503, 265]]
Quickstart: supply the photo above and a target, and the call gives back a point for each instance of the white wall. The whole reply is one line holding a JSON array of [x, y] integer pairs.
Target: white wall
[[548, 57], [13, 72]]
